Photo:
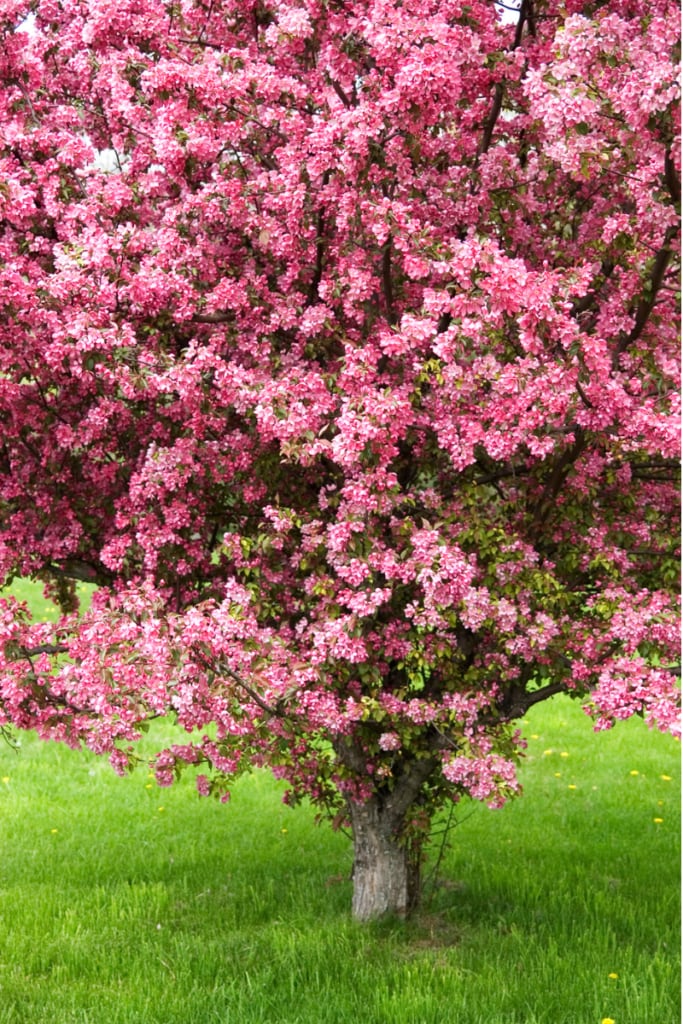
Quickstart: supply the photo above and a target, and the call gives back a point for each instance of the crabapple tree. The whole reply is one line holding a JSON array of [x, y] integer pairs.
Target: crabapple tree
[[338, 349]]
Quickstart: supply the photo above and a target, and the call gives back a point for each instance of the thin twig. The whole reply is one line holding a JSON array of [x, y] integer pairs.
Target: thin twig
[[226, 670]]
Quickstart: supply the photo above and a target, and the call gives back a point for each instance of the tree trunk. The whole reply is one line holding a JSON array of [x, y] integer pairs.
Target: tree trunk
[[386, 871]]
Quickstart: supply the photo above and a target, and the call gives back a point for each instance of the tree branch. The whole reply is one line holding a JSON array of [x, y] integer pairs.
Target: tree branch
[[673, 182], [408, 787], [558, 476], [492, 119], [521, 703], [220, 317], [387, 284], [340, 92], [589, 300], [526, 17], [33, 652], [516, 703], [76, 569], [320, 240], [647, 302], [221, 667]]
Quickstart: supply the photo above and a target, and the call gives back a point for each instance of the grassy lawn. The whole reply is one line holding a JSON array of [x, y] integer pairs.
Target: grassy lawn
[[122, 903]]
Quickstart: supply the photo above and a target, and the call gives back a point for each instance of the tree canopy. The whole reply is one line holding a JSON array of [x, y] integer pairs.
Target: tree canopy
[[339, 350]]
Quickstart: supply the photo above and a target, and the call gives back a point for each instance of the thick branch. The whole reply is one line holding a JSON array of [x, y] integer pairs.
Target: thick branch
[[33, 652], [590, 299], [518, 703], [221, 317], [657, 478], [558, 476], [320, 245], [492, 119], [408, 787], [673, 182], [647, 302], [387, 284], [525, 18], [514, 705], [75, 569]]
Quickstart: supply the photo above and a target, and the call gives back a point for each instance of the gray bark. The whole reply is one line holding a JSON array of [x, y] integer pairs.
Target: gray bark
[[386, 871]]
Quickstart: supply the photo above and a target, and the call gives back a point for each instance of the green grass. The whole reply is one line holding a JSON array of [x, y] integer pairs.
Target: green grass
[[113, 911]]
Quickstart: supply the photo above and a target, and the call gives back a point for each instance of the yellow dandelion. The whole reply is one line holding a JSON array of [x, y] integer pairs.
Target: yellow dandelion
[[5, 779], [607, 1020], [665, 778], [571, 787], [564, 753], [634, 772], [534, 736], [149, 786], [546, 753], [283, 831], [54, 831], [161, 809], [558, 775], [613, 976], [658, 821]]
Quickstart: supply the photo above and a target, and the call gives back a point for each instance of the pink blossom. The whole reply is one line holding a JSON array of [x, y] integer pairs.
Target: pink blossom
[[203, 785], [389, 741]]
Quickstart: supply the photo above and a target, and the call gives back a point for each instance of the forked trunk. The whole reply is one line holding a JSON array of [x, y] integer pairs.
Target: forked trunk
[[386, 871]]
